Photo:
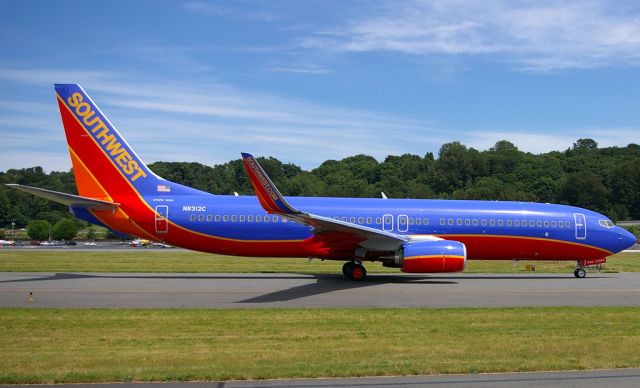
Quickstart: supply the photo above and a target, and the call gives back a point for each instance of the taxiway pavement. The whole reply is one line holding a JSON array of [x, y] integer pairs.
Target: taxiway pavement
[[292, 290], [619, 378]]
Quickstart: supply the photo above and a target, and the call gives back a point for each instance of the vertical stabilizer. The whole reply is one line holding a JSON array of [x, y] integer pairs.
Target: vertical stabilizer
[[104, 164]]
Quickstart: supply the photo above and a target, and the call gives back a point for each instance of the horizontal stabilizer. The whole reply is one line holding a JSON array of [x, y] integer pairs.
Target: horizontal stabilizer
[[68, 199]]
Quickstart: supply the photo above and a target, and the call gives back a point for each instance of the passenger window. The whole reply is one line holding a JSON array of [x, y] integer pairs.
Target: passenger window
[[234, 218], [509, 223], [217, 217], [249, 218], [344, 219], [442, 221], [492, 222], [192, 217], [516, 223], [467, 222], [450, 221], [336, 218], [258, 218], [531, 223], [209, 217], [378, 220], [403, 221], [418, 221], [266, 219], [539, 224], [200, 217], [567, 224], [361, 220], [475, 222], [484, 222], [242, 218], [553, 224], [500, 223], [352, 220], [546, 224], [275, 219], [369, 220], [425, 221], [410, 221], [225, 218]]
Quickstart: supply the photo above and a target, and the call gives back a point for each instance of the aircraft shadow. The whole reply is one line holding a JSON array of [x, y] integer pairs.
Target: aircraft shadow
[[330, 283]]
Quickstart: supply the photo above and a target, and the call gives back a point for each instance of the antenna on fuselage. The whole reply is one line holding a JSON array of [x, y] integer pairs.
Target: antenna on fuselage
[[235, 193], [384, 196]]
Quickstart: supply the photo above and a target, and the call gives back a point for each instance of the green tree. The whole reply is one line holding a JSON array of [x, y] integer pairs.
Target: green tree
[[38, 230], [65, 229], [587, 191], [585, 144], [91, 233]]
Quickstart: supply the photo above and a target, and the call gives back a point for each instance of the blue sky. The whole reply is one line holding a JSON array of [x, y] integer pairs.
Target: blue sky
[[306, 81]]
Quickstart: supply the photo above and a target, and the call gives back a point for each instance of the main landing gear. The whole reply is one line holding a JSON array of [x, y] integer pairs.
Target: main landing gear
[[354, 270]]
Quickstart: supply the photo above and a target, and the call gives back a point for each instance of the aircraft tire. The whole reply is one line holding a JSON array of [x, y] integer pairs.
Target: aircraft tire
[[580, 273], [346, 268]]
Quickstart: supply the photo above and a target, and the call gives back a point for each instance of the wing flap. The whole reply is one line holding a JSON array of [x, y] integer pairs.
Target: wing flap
[[68, 199]]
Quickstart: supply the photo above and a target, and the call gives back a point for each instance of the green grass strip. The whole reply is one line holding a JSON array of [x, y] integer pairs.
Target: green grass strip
[[102, 345], [169, 260]]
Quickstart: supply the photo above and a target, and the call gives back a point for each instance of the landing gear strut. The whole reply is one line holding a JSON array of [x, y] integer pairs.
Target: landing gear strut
[[580, 272], [354, 271]]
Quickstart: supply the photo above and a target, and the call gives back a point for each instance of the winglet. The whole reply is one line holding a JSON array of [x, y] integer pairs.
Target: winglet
[[268, 194]]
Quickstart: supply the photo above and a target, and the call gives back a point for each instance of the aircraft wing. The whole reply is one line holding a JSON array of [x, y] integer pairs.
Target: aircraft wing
[[274, 202], [68, 199]]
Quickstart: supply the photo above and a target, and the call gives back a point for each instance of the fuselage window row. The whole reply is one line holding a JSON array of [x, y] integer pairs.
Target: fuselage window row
[[402, 220]]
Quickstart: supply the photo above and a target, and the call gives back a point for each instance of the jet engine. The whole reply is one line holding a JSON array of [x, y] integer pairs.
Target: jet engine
[[433, 256]]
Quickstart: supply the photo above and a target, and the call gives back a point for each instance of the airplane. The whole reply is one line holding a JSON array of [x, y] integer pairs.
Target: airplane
[[117, 190]]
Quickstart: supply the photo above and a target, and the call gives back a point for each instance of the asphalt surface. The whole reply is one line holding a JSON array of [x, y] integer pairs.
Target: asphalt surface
[[293, 290], [619, 378]]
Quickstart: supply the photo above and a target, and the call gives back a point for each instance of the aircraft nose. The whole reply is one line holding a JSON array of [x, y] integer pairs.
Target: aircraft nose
[[626, 238]]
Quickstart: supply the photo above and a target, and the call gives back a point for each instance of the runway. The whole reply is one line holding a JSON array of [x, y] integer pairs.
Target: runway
[[621, 378], [292, 290]]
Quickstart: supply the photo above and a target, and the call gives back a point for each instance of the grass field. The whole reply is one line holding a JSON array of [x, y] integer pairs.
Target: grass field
[[70, 345], [170, 260]]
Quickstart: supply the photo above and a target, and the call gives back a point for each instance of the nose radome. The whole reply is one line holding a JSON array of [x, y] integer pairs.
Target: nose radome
[[627, 238]]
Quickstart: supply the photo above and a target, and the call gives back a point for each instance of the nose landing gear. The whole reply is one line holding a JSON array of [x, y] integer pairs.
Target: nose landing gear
[[354, 270], [580, 272]]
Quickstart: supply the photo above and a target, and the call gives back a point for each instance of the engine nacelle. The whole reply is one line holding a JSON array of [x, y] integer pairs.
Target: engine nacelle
[[434, 256]]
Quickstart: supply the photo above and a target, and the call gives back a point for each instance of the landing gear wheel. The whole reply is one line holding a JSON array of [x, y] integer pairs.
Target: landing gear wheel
[[354, 271], [347, 268], [580, 273]]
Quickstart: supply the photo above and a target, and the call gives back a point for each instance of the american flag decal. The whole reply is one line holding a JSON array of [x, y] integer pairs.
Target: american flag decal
[[164, 189]]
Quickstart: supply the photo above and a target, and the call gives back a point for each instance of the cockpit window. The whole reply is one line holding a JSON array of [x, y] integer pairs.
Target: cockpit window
[[606, 223]]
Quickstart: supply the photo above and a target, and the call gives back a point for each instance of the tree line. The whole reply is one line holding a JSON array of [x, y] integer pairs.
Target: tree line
[[606, 180]]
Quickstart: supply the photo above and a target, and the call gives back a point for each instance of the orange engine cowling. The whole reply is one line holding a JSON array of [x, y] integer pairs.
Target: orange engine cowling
[[434, 256]]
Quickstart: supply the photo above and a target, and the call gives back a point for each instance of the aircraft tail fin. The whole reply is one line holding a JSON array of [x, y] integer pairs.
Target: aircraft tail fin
[[104, 164]]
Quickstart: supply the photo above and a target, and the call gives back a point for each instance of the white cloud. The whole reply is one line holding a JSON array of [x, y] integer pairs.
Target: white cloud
[[212, 123], [535, 36]]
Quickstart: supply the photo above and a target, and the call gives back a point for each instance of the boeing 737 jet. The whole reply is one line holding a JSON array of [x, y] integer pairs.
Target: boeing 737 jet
[[117, 190]]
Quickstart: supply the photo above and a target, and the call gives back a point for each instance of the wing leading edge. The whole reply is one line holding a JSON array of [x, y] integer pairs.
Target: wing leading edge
[[274, 202]]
